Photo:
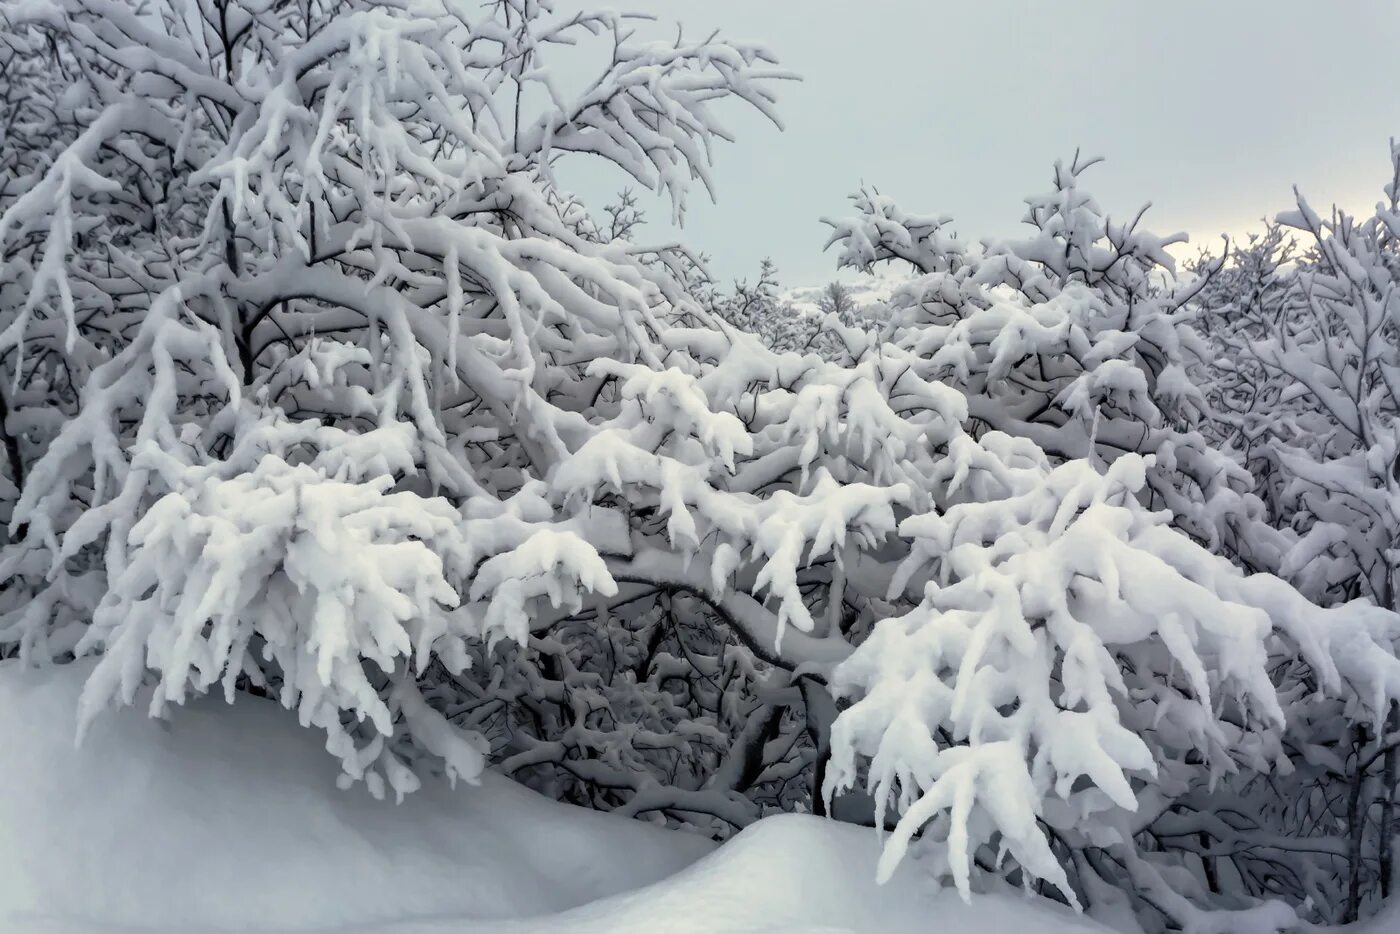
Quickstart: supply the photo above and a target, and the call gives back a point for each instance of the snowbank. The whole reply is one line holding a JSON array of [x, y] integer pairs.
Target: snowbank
[[795, 873], [228, 819]]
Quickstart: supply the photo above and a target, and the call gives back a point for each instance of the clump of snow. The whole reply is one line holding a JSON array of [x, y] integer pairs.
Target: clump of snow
[[227, 818]]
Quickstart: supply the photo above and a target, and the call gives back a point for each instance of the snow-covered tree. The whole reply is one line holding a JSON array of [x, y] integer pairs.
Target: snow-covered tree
[[40, 380], [836, 299], [378, 421], [1342, 352], [1306, 373], [1074, 675], [1238, 306], [354, 365]]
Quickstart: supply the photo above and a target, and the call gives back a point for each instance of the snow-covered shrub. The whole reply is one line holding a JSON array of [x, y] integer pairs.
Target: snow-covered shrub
[[1305, 377], [1342, 354], [1075, 673], [761, 309], [314, 566], [1071, 677]]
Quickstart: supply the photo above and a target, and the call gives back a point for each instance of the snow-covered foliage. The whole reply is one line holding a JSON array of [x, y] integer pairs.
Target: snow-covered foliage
[[1343, 352], [1306, 376], [319, 387], [1078, 675], [761, 308], [1306, 371], [342, 367], [378, 421], [1074, 337], [1236, 308]]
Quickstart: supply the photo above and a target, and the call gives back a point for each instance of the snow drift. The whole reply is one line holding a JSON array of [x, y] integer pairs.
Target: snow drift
[[228, 819]]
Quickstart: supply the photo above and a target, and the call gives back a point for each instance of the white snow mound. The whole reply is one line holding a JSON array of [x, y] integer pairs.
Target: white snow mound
[[227, 819]]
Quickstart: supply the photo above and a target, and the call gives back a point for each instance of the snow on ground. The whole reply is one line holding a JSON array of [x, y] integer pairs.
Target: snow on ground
[[228, 819], [793, 873]]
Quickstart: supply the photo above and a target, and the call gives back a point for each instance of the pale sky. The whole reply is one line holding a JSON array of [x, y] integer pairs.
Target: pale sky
[[1210, 110]]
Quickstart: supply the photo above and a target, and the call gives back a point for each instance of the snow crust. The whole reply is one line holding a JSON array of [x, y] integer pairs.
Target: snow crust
[[227, 818]]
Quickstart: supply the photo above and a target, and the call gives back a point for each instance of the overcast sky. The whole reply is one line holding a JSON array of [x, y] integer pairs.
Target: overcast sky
[[1210, 109]]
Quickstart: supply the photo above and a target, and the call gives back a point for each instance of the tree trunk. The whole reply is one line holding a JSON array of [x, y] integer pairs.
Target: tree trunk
[[1208, 864], [1356, 827], [16, 463], [11, 443], [821, 711], [1388, 826]]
